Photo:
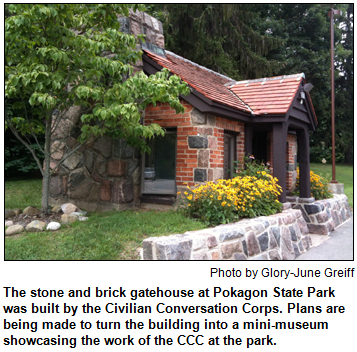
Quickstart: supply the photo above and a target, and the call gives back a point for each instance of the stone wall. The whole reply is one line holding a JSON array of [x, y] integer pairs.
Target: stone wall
[[105, 174], [323, 216], [200, 141], [282, 236]]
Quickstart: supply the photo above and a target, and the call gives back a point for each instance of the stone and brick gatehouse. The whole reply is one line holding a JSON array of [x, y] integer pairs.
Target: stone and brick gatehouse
[[224, 120]]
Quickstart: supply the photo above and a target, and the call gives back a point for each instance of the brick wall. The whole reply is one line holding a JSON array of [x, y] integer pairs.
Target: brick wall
[[291, 151], [200, 141]]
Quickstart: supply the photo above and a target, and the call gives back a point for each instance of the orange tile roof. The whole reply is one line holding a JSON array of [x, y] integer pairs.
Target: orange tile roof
[[205, 81], [272, 95], [268, 95]]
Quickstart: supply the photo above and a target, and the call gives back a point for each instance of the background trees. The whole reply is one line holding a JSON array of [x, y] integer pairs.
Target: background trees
[[246, 41]]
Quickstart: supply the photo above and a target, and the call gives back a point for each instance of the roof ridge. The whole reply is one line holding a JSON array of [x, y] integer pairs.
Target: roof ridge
[[297, 75], [202, 67], [245, 104]]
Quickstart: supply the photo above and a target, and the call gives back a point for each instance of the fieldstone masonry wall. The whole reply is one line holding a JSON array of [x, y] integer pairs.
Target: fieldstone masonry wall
[[105, 174], [323, 216], [282, 236]]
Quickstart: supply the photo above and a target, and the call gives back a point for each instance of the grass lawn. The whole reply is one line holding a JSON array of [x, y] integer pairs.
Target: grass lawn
[[344, 174], [105, 236]]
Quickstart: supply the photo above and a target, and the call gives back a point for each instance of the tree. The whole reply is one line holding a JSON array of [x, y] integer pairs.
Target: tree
[[222, 37], [62, 55], [305, 29]]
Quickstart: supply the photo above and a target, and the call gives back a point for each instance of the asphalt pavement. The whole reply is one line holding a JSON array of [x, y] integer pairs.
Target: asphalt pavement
[[337, 246]]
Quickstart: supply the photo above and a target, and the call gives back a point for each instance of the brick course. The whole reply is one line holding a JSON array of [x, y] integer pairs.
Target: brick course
[[202, 157]]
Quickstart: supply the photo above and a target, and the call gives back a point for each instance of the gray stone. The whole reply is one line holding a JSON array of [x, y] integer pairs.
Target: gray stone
[[13, 230], [100, 165], [83, 218], [198, 242], [296, 250], [53, 226], [55, 186], [122, 149], [82, 190], [245, 248], [272, 241], [239, 256], [31, 211], [303, 226], [297, 231], [200, 255], [229, 232], [203, 158], [211, 242], [287, 253], [197, 117], [263, 241], [320, 229], [124, 24], [252, 244], [132, 165], [68, 208], [276, 232], [200, 175], [8, 223], [198, 141], [263, 256], [9, 214], [72, 161], [274, 255], [286, 238], [36, 226], [301, 247], [88, 158], [306, 242], [227, 249], [148, 248], [94, 194], [293, 233], [343, 215], [306, 200], [173, 249], [137, 177], [299, 206], [103, 145], [122, 191], [322, 217], [312, 208]]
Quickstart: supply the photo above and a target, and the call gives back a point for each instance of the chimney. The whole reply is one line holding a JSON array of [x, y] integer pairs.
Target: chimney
[[142, 23]]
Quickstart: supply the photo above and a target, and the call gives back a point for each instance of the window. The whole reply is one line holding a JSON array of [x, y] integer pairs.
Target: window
[[160, 165], [230, 147]]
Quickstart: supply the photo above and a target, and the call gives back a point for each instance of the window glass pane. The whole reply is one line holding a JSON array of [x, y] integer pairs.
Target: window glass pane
[[160, 165]]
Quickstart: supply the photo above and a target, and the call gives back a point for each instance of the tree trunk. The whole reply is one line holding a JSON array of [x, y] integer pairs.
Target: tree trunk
[[47, 161]]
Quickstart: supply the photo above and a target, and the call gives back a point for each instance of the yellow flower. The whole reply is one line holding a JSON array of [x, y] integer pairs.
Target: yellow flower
[[224, 203], [189, 197]]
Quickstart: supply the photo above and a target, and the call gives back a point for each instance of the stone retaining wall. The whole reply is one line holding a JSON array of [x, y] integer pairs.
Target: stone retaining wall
[[323, 216], [282, 236]]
